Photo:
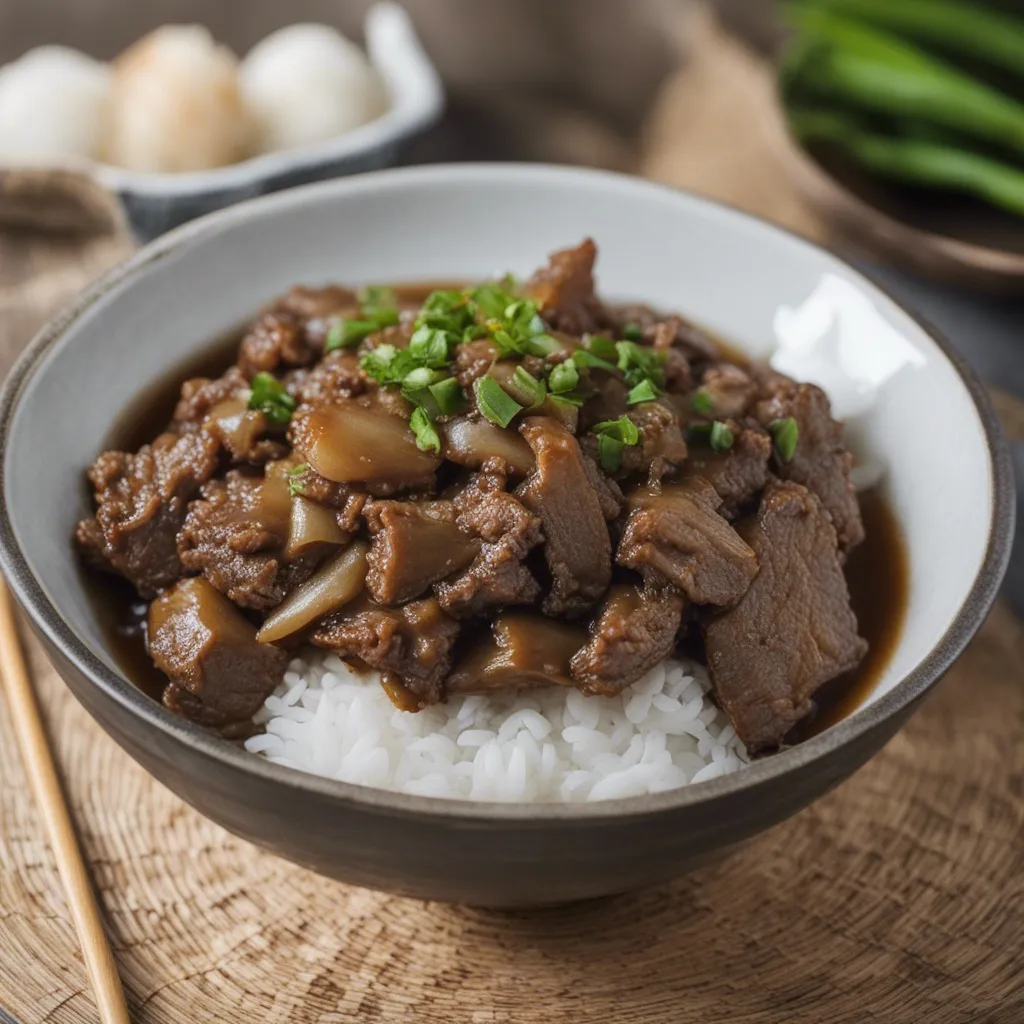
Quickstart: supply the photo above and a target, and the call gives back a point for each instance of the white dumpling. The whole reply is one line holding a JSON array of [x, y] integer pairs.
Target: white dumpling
[[176, 103], [54, 105], [307, 83]]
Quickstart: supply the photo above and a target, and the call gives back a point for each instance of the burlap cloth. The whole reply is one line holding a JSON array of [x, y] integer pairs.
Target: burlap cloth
[[897, 899]]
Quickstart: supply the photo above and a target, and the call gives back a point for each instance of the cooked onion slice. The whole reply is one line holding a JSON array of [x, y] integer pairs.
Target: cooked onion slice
[[470, 442], [311, 525], [330, 587], [351, 443]]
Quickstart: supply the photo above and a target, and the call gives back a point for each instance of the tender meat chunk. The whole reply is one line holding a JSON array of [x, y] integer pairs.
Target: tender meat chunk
[[337, 375], [675, 363], [507, 532], [564, 290], [661, 447], [141, 503], [608, 401], [219, 674], [698, 346], [738, 474], [820, 461], [305, 302], [414, 642], [230, 538], [473, 360], [524, 650], [793, 630], [346, 500], [634, 630], [201, 394], [676, 536], [731, 390], [276, 340], [576, 541], [608, 492], [415, 544]]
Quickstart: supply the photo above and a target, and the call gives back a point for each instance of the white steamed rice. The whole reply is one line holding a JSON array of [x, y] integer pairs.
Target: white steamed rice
[[543, 746]]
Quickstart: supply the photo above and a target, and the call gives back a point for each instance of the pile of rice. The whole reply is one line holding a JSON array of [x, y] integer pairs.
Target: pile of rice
[[551, 745]]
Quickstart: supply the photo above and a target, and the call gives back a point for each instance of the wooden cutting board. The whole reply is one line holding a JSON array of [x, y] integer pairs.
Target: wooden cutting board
[[898, 898]]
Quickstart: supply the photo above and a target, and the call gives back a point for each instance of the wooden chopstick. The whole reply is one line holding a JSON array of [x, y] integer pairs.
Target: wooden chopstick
[[42, 775]]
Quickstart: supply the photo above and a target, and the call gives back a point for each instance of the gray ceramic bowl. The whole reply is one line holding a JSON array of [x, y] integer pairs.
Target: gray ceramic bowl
[[913, 404]]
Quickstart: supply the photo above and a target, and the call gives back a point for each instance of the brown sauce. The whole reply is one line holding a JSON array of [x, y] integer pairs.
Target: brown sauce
[[877, 571]]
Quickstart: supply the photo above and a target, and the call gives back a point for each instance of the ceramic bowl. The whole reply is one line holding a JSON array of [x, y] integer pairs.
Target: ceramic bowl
[[155, 203], [915, 408]]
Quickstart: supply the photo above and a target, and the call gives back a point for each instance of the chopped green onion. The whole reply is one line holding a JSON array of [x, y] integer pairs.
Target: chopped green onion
[[429, 347], [721, 437], [421, 377], [698, 432], [632, 332], [451, 312], [587, 360], [638, 362], [492, 299], [702, 403], [623, 429], [600, 345], [563, 377], [271, 398], [609, 453], [379, 303], [427, 438], [387, 364], [494, 402], [785, 434], [645, 391], [348, 333], [450, 397], [295, 485], [531, 390], [568, 399]]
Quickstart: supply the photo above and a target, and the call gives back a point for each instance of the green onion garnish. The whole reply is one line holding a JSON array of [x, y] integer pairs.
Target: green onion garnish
[[450, 397], [295, 486], [271, 398], [568, 399], [494, 403], [421, 377], [527, 387], [721, 437], [600, 345], [702, 403], [348, 333], [785, 434], [427, 439], [587, 360], [623, 429], [637, 363], [563, 377], [645, 391], [609, 453], [632, 332], [387, 364], [429, 347]]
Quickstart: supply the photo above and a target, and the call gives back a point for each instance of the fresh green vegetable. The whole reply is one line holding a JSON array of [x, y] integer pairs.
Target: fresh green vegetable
[[645, 391], [721, 437], [271, 398], [449, 396], [448, 311], [295, 486], [632, 332], [844, 60], [429, 346], [612, 437], [379, 310], [567, 400], [638, 363], [348, 333], [494, 402], [601, 346], [785, 434], [916, 162], [563, 377], [379, 304], [958, 26], [387, 364], [702, 403], [528, 388], [586, 360], [422, 377], [426, 435]]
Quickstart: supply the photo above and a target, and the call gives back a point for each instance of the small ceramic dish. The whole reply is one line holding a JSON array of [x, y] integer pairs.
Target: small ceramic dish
[[915, 408], [155, 203]]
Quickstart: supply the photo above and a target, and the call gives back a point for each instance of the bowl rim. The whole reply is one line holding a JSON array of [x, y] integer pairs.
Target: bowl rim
[[48, 621]]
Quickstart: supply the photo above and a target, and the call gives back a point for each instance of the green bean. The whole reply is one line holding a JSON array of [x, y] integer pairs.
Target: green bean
[[966, 28], [870, 69], [915, 161]]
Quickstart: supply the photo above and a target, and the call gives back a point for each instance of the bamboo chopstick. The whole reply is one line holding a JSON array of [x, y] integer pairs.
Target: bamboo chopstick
[[42, 775]]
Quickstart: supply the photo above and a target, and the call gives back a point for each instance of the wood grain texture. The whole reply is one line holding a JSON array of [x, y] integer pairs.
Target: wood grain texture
[[898, 898]]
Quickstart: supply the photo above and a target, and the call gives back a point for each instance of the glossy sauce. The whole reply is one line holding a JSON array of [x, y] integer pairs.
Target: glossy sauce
[[877, 571]]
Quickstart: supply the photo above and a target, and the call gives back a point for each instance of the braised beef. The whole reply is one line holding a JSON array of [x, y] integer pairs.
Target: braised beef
[[738, 474], [564, 290], [820, 461], [576, 542], [730, 391], [415, 544], [675, 536], [219, 675], [793, 630], [142, 500], [635, 628], [276, 340], [414, 642]]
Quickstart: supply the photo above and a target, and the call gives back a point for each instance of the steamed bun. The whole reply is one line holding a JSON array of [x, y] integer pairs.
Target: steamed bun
[[176, 103], [307, 83], [54, 104]]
